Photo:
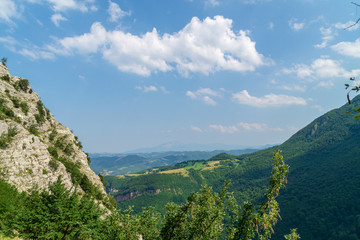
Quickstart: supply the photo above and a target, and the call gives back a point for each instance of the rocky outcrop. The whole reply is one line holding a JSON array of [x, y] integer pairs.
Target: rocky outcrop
[[35, 149]]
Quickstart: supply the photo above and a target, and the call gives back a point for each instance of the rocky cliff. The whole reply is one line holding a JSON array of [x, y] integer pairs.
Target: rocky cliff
[[35, 149]]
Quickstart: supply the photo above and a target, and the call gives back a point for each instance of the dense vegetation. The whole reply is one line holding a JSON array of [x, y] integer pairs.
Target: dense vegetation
[[321, 199], [64, 214]]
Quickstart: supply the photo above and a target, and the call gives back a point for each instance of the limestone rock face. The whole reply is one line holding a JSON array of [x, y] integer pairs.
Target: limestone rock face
[[35, 149]]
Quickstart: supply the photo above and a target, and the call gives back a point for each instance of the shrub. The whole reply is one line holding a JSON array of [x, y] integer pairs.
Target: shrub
[[22, 84], [5, 78], [52, 135], [53, 152], [24, 107], [40, 117], [15, 102], [6, 138], [33, 129], [69, 149], [54, 164]]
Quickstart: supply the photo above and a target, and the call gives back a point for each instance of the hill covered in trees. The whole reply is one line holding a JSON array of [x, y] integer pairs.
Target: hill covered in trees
[[323, 191]]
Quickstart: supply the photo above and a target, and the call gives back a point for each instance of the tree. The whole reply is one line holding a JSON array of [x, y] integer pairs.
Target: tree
[[202, 216], [4, 61]]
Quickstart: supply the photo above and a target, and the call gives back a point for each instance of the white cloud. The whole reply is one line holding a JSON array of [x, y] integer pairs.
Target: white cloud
[[64, 5], [56, 18], [351, 49], [325, 84], [200, 47], [196, 129], [209, 101], [84, 44], [269, 100], [322, 68], [328, 35], [35, 54], [224, 129], [349, 26], [295, 25], [8, 10], [146, 88], [115, 12], [204, 95]]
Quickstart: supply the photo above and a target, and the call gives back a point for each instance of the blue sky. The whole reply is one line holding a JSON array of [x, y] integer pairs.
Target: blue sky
[[132, 74]]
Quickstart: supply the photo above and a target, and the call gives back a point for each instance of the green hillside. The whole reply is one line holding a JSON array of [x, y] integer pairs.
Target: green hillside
[[323, 191]]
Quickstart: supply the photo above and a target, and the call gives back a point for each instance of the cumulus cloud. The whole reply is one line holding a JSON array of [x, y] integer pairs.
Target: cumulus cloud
[[270, 100], [204, 95], [295, 25], [115, 12], [351, 49], [321, 68], [200, 47], [8, 10], [56, 18]]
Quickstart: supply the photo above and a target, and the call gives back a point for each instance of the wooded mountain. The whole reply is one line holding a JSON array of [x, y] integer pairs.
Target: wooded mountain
[[323, 191]]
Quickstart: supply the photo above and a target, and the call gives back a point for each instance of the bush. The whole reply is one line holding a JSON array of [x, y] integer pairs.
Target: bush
[[54, 164], [5, 78], [52, 135], [24, 107], [33, 129], [22, 84], [6, 138]]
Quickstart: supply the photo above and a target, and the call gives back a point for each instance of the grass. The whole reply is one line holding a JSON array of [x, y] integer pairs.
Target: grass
[[182, 171]]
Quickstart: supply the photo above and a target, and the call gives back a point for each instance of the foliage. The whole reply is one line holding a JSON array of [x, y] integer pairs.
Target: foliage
[[40, 117], [5, 78], [6, 112], [6, 138], [122, 224], [62, 214], [261, 222], [293, 235], [201, 217], [4, 61], [22, 84], [355, 88], [55, 214], [33, 129]]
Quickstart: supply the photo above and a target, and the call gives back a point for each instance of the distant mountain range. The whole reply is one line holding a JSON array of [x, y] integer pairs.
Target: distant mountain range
[[321, 198], [127, 163], [181, 147]]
